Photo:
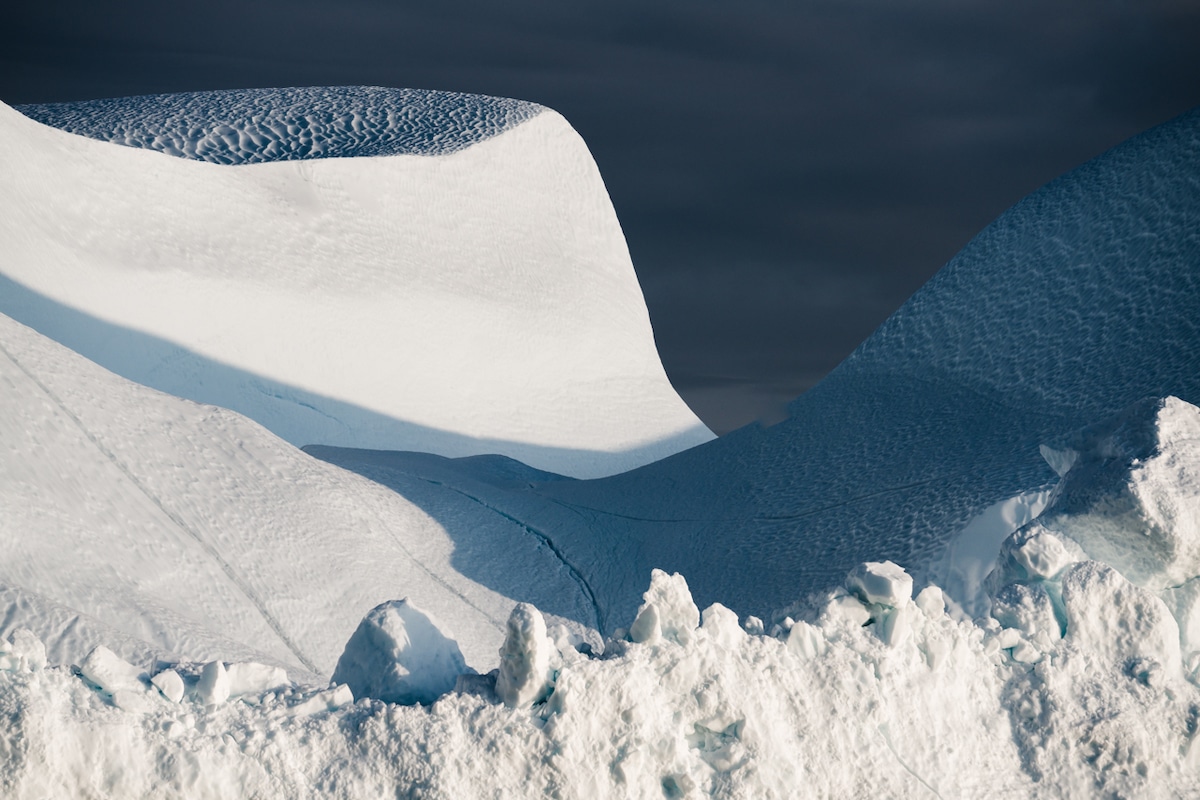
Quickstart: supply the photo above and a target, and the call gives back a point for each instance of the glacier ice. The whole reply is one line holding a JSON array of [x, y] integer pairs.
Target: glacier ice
[[399, 654], [467, 293], [943, 446], [1080, 300], [525, 659]]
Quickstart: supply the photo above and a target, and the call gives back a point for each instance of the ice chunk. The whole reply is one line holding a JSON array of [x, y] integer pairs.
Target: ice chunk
[[213, 687], [846, 609], [722, 625], [327, 700], [112, 673], [896, 624], [1184, 603], [806, 640], [646, 628], [169, 684], [1132, 497], [400, 654], [524, 676], [678, 617], [249, 678], [23, 653], [882, 583], [1116, 620], [931, 601], [1027, 608]]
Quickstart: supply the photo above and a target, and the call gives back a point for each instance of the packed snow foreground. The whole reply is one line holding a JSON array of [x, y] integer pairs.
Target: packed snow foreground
[[1080, 681]]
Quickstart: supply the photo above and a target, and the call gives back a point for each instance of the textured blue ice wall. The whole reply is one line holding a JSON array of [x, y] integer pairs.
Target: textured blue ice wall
[[254, 125], [1081, 299]]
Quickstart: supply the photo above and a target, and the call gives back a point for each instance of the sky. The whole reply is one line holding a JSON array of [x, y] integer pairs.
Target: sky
[[787, 172]]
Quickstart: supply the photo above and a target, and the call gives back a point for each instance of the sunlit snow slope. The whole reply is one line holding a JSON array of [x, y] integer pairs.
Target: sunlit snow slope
[[160, 527], [1082, 298], [465, 289]]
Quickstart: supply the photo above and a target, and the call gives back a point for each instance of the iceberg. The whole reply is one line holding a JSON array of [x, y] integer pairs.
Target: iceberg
[[356, 267], [178, 581]]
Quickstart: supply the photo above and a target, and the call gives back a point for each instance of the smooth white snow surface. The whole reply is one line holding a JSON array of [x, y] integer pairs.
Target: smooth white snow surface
[[477, 298]]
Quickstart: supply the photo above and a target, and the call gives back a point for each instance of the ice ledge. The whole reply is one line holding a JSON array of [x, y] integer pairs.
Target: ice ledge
[[248, 126]]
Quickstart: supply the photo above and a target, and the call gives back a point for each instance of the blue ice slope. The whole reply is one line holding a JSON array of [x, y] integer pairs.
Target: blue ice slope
[[1082, 298], [253, 125]]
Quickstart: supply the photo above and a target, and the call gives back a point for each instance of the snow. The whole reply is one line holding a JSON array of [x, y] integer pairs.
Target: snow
[[524, 677], [470, 296], [974, 545], [399, 654]]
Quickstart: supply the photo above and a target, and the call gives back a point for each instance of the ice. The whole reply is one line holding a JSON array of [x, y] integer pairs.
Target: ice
[[667, 610], [249, 678], [466, 289], [400, 654], [23, 651], [721, 625], [1131, 497], [111, 673], [170, 684], [884, 583], [952, 707], [524, 659], [214, 685], [183, 535]]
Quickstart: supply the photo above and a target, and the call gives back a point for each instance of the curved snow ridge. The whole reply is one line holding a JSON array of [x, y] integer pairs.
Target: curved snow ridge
[[249, 126]]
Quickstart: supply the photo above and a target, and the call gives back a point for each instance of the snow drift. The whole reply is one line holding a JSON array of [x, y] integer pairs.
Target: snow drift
[[465, 290]]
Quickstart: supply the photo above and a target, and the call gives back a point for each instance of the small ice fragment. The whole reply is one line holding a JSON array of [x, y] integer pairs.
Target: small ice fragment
[[1008, 638], [722, 625], [169, 684], [882, 583], [678, 617], [805, 640], [213, 688], [931, 601], [25, 653], [249, 678], [1042, 556], [754, 626], [110, 672], [646, 628], [896, 625], [847, 609], [524, 658], [327, 700], [400, 654]]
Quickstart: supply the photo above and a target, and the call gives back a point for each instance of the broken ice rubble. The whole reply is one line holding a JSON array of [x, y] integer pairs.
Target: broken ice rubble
[[1079, 682]]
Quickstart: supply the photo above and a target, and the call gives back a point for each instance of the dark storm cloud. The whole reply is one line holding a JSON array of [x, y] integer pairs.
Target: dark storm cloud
[[786, 173]]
